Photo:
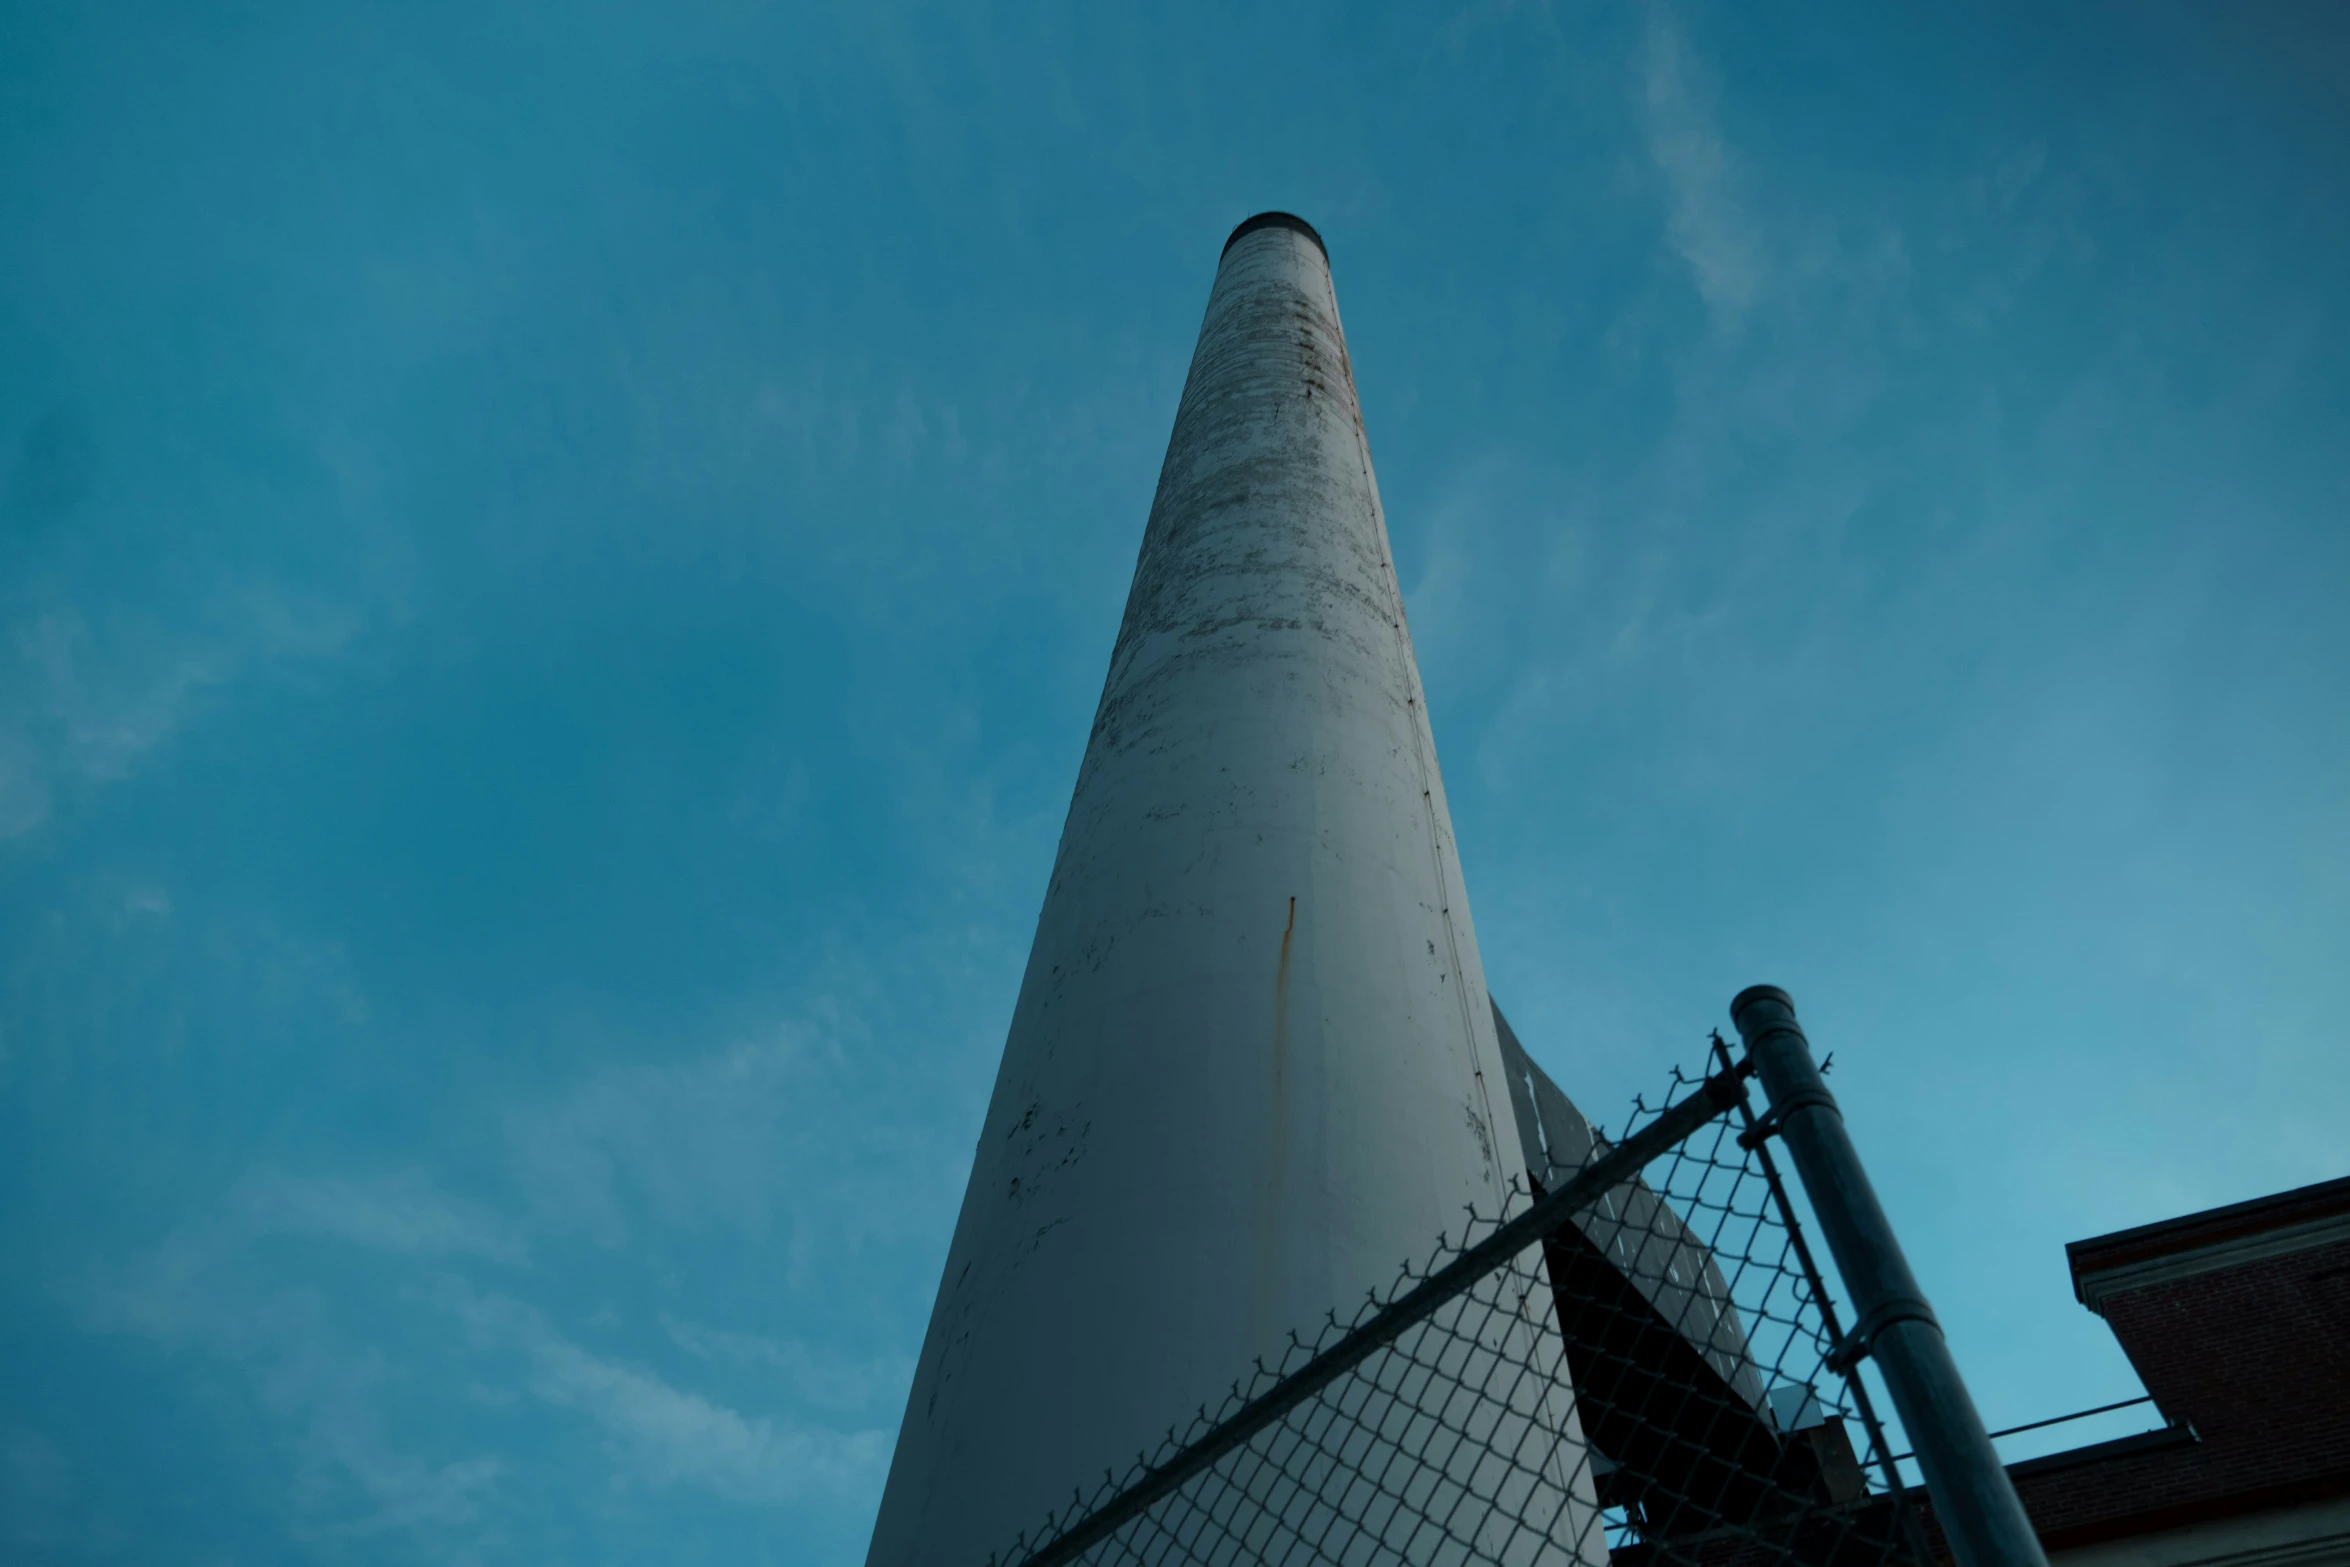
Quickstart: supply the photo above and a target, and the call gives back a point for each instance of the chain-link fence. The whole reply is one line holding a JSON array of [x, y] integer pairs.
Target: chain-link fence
[[1639, 1362]]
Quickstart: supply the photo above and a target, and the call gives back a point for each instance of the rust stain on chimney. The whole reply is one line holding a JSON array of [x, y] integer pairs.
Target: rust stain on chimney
[[1276, 1146]]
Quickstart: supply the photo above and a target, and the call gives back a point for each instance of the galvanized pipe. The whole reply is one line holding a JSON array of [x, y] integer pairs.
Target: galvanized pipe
[[1974, 1501]]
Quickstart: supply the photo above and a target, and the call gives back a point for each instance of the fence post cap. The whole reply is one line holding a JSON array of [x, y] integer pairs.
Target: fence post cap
[[1754, 995]]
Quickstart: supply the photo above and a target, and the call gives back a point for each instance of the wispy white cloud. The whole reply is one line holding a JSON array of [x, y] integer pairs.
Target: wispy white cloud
[[403, 1214], [795, 1132], [1708, 225], [84, 703], [68, 718], [1650, 573], [322, 1383], [817, 1375], [405, 1494], [669, 1435], [35, 1483], [670, 1139], [188, 1289], [328, 1382], [309, 1285], [113, 630]]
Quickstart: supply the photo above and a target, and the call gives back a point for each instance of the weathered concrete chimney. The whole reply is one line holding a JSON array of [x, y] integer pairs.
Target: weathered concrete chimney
[[1252, 1068]]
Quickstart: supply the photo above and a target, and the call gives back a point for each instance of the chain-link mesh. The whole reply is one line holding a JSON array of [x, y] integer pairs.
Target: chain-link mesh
[[1636, 1365]]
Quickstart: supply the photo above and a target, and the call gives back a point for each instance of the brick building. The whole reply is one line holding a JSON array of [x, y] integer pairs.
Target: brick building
[[2237, 1320]]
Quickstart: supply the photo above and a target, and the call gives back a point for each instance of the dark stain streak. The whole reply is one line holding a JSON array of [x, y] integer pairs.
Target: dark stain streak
[[1281, 983]]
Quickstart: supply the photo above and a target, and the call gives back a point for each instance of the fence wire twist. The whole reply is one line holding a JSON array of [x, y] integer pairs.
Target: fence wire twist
[[1638, 1365]]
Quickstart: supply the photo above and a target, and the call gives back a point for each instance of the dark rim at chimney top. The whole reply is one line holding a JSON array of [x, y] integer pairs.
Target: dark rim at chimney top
[[1278, 220]]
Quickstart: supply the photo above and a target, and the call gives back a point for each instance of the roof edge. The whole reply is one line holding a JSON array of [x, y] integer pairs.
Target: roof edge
[[2285, 1221]]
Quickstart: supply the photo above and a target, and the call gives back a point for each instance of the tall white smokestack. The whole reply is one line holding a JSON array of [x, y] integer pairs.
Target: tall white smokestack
[[1253, 1068]]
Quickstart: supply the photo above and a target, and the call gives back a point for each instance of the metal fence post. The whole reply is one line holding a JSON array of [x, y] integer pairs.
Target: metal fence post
[[1974, 1501]]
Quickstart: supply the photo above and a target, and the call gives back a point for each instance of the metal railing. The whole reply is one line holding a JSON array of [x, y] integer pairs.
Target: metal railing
[[2055, 1420]]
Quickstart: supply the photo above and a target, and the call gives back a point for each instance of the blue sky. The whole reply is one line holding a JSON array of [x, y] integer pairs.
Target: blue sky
[[555, 563]]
